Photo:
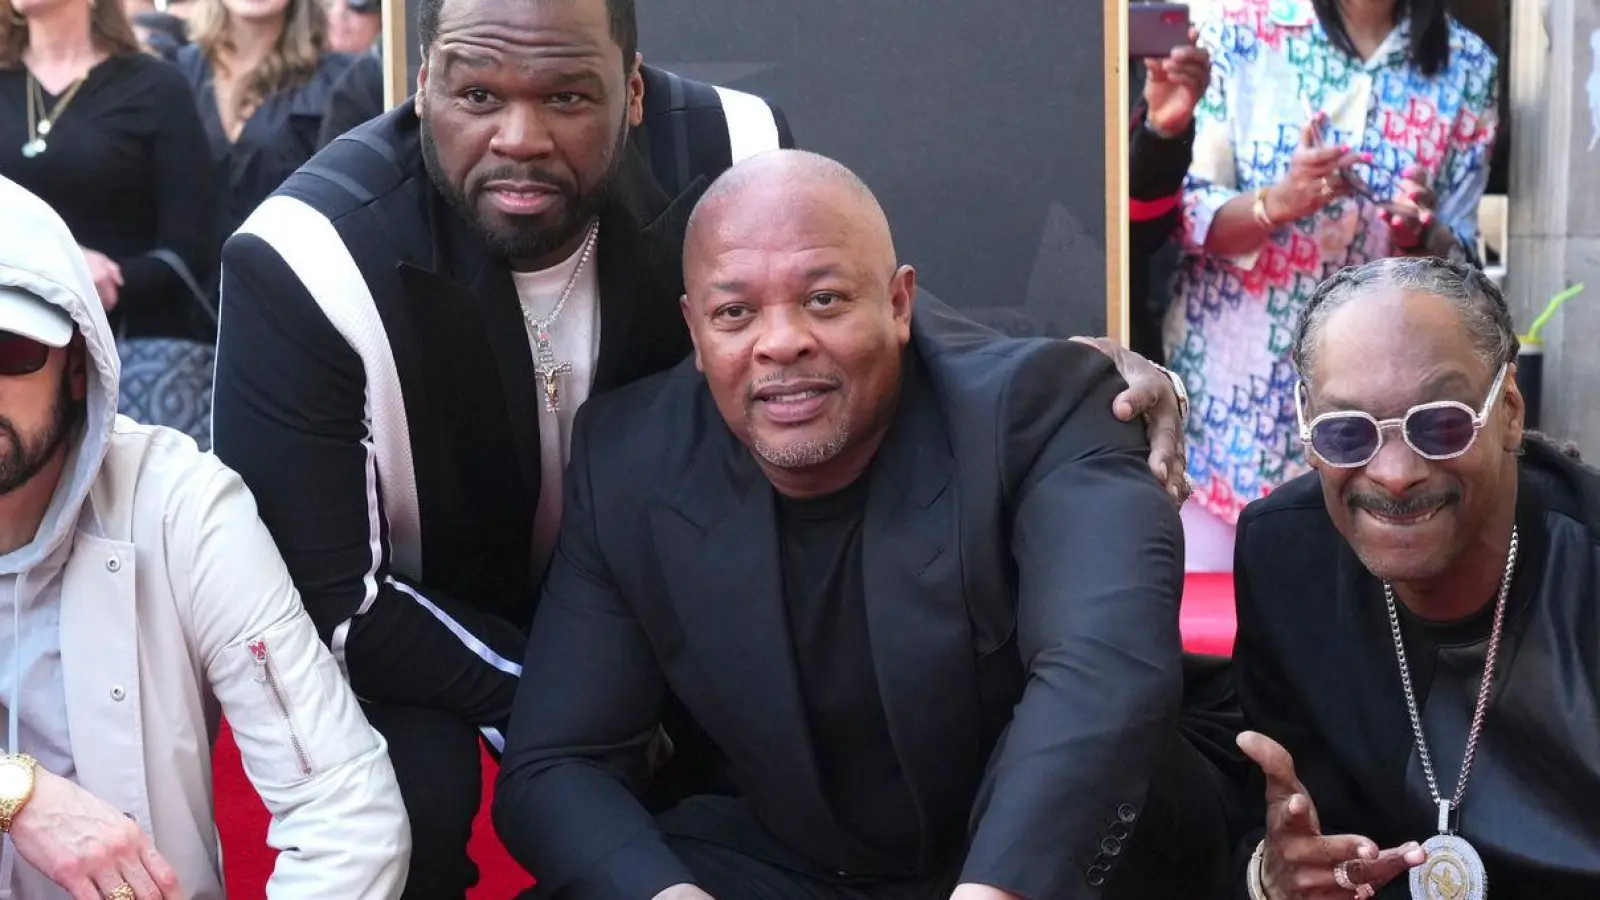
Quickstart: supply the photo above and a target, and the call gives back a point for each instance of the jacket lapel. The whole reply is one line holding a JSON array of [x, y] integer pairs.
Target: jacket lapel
[[465, 274], [917, 616], [641, 277], [725, 583]]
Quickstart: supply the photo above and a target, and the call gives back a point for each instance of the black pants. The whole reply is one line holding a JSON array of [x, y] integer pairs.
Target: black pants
[[438, 762], [1178, 851]]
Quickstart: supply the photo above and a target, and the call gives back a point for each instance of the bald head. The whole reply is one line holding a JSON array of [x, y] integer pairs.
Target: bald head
[[760, 198], [799, 315]]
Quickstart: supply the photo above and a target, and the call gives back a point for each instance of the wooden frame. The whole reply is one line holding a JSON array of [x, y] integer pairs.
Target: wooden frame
[[1116, 117], [396, 48]]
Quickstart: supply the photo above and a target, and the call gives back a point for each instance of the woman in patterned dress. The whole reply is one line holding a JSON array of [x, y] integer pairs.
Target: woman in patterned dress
[[1334, 132]]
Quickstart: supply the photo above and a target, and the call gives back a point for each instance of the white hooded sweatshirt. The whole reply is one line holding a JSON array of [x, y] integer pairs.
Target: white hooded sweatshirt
[[150, 601]]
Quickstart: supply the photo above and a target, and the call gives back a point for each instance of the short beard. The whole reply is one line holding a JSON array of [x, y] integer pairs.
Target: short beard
[[800, 454], [25, 459], [527, 238], [804, 454]]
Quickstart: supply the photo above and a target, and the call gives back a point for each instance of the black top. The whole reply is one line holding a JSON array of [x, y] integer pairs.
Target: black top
[[279, 137], [355, 98], [823, 593], [119, 170], [1316, 670]]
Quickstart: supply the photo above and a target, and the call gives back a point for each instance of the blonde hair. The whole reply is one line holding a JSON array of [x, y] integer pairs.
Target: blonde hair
[[108, 28], [291, 63]]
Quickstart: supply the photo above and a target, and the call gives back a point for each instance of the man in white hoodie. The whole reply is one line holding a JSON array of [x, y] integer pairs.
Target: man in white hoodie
[[141, 598]]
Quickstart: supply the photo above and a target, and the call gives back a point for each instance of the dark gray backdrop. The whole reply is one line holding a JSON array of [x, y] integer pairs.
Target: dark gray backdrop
[[979, 124]]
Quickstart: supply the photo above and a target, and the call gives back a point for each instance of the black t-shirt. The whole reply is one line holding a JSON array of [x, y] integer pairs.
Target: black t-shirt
[[124, 168], [826, 602]]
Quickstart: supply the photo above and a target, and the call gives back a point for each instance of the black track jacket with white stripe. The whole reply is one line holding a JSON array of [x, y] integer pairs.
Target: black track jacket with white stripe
[[375, 388]]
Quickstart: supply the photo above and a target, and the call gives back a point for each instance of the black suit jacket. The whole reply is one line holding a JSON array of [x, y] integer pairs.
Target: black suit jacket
[[375, 389], [1316, 671], [1022, 581]]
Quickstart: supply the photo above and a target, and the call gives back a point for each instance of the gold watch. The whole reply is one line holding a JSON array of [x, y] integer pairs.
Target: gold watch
[[16, 787]]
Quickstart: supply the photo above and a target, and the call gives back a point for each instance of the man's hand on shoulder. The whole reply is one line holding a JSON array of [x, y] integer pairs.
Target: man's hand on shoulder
[[981, 892], [1154, 393], [683, 892], [87, 847]]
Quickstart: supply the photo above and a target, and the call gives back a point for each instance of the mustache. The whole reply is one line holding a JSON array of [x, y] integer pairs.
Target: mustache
[[1406, 506], [831, 379], [525, 173]]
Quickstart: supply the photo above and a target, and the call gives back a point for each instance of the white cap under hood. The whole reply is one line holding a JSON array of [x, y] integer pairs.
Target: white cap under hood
[[39, 255]]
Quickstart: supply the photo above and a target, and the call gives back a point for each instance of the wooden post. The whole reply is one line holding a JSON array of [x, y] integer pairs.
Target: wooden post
[[1116, 112], [396, 47], [1555, 202]]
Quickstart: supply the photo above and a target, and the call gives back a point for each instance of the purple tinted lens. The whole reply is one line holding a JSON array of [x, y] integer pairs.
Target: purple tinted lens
[[20, 355], [1440, 431], [1345, 440]]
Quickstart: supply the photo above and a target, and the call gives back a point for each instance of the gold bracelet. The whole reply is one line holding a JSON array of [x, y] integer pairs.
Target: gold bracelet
[[1259, 208]]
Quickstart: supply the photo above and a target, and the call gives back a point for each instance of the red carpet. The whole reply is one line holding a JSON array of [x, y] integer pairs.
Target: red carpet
[[242, 820], [1207, 628]]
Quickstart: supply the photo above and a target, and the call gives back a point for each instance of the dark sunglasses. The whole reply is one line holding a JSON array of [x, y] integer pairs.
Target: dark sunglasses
[[1441, 430], [21, 355]]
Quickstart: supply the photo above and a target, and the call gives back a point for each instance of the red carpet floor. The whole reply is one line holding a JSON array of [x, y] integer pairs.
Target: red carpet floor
[[1207, 628]]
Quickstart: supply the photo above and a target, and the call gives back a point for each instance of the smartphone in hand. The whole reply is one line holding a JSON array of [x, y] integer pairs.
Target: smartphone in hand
[[1350, 177], [1156, 29]]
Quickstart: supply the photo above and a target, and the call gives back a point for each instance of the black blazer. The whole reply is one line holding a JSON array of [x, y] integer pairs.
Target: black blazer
[[1022, 581], [375, 389], [1316, 671]]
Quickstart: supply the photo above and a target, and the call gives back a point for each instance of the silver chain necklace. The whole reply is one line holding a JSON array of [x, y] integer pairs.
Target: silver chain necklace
[[545, 364], [1453, 870]]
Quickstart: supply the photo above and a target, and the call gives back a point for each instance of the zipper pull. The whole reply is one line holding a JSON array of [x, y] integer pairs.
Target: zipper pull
[[258, 654]]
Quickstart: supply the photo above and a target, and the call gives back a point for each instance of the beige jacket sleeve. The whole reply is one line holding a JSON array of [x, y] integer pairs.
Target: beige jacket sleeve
[[324, 774]]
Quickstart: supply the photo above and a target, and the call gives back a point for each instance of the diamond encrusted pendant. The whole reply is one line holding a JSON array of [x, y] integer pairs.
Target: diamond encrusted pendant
[[1453, 871]]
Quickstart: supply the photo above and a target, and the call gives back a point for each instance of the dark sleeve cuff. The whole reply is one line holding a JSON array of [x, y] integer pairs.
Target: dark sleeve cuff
[[1157, 165]]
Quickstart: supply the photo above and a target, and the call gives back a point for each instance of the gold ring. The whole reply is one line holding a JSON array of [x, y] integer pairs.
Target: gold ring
[[123, 891]]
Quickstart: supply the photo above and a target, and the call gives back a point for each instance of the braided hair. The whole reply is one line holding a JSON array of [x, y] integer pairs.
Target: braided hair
[[1478, 301]]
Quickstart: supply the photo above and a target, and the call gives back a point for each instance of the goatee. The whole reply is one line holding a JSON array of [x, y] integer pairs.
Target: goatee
[[526, 238]]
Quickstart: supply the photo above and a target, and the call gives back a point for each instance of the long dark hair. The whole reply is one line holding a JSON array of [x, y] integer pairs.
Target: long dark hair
[[1430, 31]]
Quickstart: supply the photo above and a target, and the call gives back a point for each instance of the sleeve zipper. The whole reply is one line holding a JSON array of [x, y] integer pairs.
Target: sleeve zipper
[[267, 674]]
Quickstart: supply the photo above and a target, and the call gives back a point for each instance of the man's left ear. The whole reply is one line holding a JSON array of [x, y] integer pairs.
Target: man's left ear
[[1514, 408], [902, 299], [422, 86], [636, 92]]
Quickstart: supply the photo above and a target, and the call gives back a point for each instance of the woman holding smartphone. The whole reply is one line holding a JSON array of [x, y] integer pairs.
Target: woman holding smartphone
[[1333, 132]]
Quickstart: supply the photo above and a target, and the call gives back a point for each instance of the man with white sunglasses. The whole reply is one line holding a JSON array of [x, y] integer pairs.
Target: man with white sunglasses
[[1419, 640]]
